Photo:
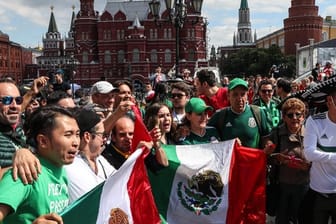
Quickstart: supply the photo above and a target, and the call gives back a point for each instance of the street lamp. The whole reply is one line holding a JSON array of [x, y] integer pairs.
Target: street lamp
[[177, 15]]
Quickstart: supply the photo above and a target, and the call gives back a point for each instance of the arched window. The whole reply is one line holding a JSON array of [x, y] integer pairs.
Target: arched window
[[136, 55], [154, 55], [168, 56], [107, 57], [121, 56], [85, 57], [191, 54]]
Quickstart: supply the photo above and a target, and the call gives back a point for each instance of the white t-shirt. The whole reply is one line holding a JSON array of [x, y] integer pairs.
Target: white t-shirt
[[82, 178], [320, 148]]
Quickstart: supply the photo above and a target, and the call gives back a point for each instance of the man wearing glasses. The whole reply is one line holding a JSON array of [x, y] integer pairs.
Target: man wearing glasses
[[268, 102], [180, 95], [11, 133]]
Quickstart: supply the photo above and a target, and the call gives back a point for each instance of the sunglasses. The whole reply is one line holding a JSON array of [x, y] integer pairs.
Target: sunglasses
[[266, 90], [291, 115], [178, 95], [8, 100]]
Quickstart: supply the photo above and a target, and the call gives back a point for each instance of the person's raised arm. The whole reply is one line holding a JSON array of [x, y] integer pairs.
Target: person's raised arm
[[34, 90]]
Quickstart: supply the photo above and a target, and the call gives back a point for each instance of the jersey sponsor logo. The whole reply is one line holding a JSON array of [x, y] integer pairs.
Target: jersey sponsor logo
[[324, 136], [228, 124], [252, 123]]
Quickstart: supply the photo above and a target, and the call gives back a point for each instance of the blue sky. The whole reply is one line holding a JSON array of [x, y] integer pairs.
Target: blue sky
[[26, 21]]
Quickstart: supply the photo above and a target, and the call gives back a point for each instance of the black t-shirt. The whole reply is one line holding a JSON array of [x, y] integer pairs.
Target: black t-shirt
[[64, 86]]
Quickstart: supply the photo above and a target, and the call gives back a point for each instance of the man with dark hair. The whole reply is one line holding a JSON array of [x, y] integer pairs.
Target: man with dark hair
[[60, 84], [268, 102], [55, 134], [283, 88], [180, 95], [316, 71], [214, 96], [60, 98]]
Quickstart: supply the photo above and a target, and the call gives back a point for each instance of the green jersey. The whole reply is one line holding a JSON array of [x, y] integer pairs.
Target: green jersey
[[273, 113], [48, 194], [211, 135], [243, 126]]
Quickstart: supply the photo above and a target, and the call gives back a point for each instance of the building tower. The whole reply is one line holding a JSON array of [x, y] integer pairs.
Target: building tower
[[70, 39], [244, 34], [303, 23]]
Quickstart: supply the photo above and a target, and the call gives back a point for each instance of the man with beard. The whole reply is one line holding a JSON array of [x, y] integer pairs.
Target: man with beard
[[11, 133]]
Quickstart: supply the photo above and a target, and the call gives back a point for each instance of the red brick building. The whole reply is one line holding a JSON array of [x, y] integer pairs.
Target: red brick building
[[13, 58], [126, 41]]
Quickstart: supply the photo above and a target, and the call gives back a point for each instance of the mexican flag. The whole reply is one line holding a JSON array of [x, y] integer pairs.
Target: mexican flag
[[211, 183], [125, 197]]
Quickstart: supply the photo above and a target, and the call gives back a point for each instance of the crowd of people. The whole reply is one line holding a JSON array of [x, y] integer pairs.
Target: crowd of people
[[56, 145]]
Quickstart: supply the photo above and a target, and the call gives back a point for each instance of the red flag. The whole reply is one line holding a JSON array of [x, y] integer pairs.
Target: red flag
[[248, 205], [140, 131]]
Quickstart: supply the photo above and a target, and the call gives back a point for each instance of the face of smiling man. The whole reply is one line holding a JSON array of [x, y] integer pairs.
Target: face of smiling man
[[10, 104]]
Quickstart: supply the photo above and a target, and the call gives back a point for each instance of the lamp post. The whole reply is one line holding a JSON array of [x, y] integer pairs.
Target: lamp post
[[177, 15]]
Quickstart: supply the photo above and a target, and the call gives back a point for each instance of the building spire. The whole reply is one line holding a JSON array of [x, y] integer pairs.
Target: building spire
[[243, 4], [52, 22]]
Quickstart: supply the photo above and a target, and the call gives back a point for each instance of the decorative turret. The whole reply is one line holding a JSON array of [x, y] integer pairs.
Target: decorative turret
[[53, 42]]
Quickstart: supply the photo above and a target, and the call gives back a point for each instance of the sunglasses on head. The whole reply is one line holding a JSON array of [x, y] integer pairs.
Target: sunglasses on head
[[291, 115], [8, 100], [178, 95]]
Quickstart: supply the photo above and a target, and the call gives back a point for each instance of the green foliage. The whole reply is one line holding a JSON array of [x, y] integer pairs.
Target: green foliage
[[252, 61]]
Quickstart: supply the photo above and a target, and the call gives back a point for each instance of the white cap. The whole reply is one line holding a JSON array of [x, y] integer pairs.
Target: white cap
[[102, 87]]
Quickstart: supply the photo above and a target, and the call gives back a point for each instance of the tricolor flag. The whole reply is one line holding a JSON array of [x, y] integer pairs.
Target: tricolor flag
[[125, 197], [211, 183]]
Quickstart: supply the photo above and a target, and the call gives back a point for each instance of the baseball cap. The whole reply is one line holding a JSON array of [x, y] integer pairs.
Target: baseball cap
[[102, 87], [237, 82], [196, 105], [87, 119]]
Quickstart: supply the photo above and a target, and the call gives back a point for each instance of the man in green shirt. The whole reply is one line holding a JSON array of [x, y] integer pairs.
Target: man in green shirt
[[55, 134], [240, 120]]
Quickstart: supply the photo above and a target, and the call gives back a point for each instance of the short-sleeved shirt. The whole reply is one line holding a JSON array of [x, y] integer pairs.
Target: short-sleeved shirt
[[242, 126], [211, 135], [49, 193], [217, 101]]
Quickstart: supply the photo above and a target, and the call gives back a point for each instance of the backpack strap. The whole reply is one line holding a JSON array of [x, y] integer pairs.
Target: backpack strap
[[257, 116]]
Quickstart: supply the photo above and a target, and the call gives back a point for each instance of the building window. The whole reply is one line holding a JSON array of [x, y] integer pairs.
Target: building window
[[168, 56], [85, 57], [191, 55], [154, 55], [136, 55], [169, 33], [324, 36], [121, 56], [107, 57]]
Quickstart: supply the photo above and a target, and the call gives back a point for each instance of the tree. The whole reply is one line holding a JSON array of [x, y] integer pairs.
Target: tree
[[252, 61]]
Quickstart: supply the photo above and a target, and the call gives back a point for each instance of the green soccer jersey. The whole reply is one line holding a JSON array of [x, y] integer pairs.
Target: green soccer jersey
[[211, 135], [48, 194], [242, 126]]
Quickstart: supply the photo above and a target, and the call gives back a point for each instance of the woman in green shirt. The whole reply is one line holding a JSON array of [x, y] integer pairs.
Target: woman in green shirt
[[195, 120]]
